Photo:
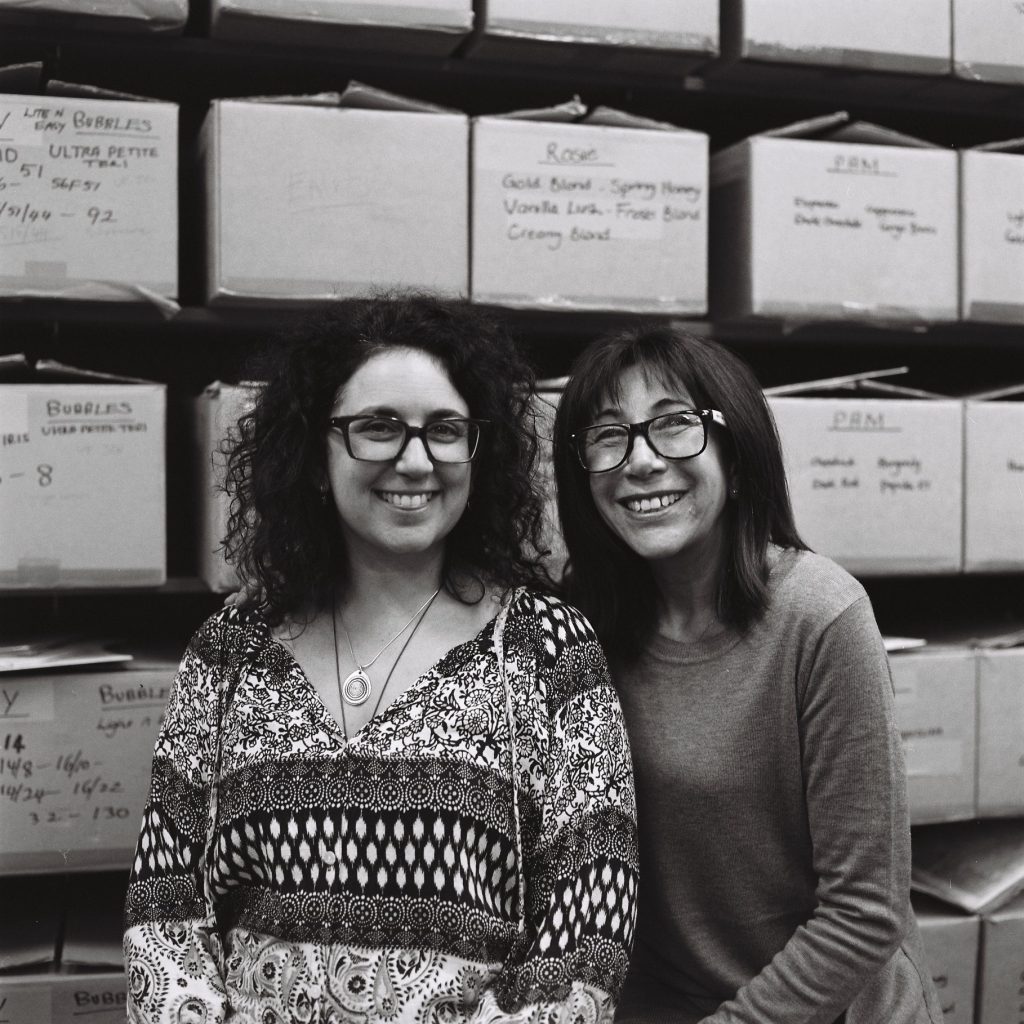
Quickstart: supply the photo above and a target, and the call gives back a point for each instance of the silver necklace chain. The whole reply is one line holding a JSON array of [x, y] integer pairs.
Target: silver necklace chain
[[357, 687]]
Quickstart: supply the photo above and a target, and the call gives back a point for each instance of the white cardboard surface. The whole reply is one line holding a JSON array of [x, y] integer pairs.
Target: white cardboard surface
[[393, 13], [1001, 966], [76, 774], [992, 218], [582, 216], [1001, 733], [819, 229], [659, 24], [988, 40], [912, 36], [935, 693], [64, 998], [876, 483], [89, 204], [148, 15], [950, 943], [83, 496], [994, 485], [309, 203], [422, 26]]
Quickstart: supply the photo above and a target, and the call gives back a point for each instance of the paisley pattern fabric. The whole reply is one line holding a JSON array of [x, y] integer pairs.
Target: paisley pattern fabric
[[468, 855]]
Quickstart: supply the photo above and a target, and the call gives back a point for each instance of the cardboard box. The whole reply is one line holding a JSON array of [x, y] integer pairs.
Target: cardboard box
[[992, 226], [97, 15], [422, 26], [819, 220], [659, 36], [83, 497], [936, 693], [76, 763], [215, 416], [950, 943], [92, 984], [608, 214], [544, 408], [912, 36], [977, 866], [994, 481], [89, 208], [1001, 733], [99, 998], [308, 202], [1001, 967], [988, 40], [875, 473]]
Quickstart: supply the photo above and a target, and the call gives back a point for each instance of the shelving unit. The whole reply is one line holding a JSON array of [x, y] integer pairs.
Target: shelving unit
[[200, 344]]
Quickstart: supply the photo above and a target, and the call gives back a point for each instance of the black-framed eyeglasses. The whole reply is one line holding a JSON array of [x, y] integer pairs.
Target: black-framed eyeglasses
[[674, 435], [384, 438]]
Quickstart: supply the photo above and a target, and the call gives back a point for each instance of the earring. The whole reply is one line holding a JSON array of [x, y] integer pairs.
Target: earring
[[324, 493], [734, 492]]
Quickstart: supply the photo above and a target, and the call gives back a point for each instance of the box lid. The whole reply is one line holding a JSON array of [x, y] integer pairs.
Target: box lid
[[575, 111], [862, 384], [838, 127], [17, 369], [28, 79], [1012, 146], [1009, 392], [355, 96], [214, 388]]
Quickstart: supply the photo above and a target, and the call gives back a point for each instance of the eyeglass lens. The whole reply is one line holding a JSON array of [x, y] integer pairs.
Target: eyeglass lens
[[377, 439], [677, 435]]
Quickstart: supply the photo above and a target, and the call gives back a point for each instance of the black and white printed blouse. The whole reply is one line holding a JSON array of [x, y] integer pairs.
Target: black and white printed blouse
[[469, 855]]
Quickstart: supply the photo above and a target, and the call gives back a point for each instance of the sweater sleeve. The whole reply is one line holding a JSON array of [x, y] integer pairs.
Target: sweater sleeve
[[169, 944], [579, 841], [855, 786]]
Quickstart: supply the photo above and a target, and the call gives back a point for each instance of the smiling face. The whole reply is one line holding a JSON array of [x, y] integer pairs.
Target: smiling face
[[406, 506], [665, 510]]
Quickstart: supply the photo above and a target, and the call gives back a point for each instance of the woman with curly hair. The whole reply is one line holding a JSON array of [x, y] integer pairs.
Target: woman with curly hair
[[397, 786]]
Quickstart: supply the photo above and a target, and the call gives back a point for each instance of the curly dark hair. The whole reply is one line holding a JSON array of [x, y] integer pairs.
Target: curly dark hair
[[286, 543]]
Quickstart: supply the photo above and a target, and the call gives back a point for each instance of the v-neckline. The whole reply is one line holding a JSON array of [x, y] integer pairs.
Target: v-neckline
[[417, 684]]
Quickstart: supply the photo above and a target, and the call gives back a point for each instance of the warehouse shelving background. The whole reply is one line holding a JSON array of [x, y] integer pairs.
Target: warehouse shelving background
[[201, 344]]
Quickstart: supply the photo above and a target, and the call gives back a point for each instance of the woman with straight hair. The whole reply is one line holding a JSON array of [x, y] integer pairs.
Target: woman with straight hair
[[394, 787], [771, 794]]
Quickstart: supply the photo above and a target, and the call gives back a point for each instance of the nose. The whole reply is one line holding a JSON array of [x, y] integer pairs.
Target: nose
[[414, 459], [642, 458]]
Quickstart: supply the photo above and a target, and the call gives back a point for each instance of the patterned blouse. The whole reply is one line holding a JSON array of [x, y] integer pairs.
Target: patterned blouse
[[469, 855]]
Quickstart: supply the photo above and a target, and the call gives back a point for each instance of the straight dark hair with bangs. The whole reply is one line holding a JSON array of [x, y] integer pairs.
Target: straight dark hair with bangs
[[612, 585]]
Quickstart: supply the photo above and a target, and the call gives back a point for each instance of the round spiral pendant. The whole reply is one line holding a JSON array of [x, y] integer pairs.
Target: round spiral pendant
[[356, 688]]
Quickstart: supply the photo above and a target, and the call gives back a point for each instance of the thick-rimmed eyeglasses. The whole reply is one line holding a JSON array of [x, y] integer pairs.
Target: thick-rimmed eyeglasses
[[384, 438], [674, 435]]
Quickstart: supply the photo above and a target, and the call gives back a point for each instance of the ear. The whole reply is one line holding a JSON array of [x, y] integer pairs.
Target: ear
[[734, 483]]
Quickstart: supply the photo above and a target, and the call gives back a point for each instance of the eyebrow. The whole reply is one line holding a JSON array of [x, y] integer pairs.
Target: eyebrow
[[434, 414], [662, 403]]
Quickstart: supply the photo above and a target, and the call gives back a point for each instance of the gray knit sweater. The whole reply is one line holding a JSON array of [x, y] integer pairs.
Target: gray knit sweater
[[774, 840]]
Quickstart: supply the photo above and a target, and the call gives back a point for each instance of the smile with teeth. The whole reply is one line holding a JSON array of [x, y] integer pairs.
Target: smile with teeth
[[653, 503], [403, 499]]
